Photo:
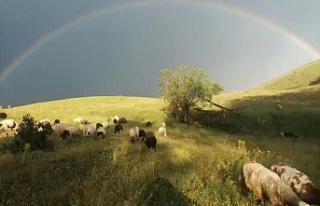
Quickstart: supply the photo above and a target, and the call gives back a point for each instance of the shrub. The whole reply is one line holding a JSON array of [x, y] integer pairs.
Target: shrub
[[28, 134]]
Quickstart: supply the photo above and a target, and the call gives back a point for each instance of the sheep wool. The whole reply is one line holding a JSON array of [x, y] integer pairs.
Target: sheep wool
[[149, 139], [70, 131], [118, 128], [163, 131], [88, 130], [7, 124], [59, 128], [134, 134], [299, 182], [101, 132], [267, 186]]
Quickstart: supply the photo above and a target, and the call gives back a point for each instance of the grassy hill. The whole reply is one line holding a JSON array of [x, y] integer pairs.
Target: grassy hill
[[196, 165], [306, 75]]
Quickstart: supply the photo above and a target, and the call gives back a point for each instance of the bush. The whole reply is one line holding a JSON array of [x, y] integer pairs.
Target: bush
[[29, 134]]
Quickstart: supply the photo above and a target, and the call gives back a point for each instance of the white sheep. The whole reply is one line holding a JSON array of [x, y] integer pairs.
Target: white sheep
[[70, 131], [88, 130], [7, 124], [59, 128], [134, 134], [162, 130]]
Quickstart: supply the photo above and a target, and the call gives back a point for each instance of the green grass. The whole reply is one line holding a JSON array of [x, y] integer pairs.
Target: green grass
[[195, 165], [306, 75]]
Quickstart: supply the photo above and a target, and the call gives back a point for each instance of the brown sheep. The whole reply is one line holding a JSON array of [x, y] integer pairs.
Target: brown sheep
[[299, 182], [267, 186]]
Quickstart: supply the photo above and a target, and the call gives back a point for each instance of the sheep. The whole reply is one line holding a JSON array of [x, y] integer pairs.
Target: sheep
[[299, 182], [149, 139], [70, 131], [142, 133], [122, 120], [115, 119], [88, 130], [59, 128], [56, 121], [288, 134], [267, 185], [117, 128], [3, 115], [279, 106], [42, 123], [99, 125], [162, 130], [8, 124], [134, 134], [148, 124], [101, 132]]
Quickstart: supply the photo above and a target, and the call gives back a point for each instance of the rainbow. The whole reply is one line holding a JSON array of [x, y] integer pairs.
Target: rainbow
[[129, 5]]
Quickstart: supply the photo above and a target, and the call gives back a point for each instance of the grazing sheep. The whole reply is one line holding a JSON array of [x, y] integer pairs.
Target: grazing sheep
[[134, 134], [162, 130], [117, 128], [59, 128], [279, 106], [299, 182], [42, 123], [101, 131], [70, 131], [99, 125], [122, 120], [149, 139], [267, 185], [3, 115], [115, 119], [8, 124], [56, 121], [288, 134], [88, 130], [148, 124], [142, 133]]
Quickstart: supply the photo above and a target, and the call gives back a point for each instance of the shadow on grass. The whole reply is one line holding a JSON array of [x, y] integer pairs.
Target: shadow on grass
[[260, 116], [161, 192]]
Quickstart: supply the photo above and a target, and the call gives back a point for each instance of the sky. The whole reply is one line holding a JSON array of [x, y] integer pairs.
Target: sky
[[60, 49]]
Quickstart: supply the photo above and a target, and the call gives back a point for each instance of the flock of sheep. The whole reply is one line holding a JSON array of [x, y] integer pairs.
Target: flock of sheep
[[99, 130], [280, 185]]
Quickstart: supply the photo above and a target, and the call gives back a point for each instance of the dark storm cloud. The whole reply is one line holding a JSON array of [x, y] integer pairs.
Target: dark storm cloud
[[122, 53]]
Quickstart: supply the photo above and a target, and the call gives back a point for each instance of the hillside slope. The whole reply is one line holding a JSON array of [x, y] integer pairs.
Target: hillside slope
[[306, 75]]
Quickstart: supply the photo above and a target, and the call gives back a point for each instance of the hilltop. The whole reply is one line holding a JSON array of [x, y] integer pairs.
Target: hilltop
[[303, 76]]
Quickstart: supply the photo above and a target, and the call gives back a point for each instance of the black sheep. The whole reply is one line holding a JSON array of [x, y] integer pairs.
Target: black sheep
[[56, 121], [148, 124], [118, 127], [142, 133], [122, 120], [288, 134], [3, 115], [98, 125], [149, 139]]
